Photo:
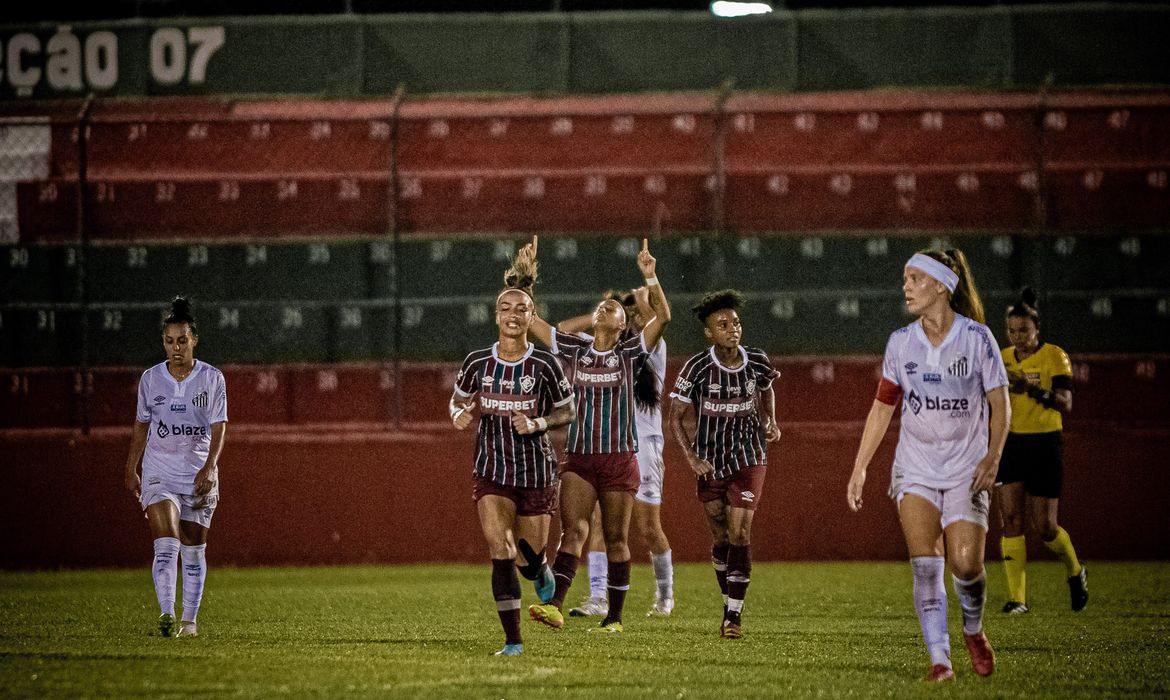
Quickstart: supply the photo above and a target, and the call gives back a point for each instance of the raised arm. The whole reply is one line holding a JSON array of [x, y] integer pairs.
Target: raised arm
[[539, 328], [654, 328], [876, 425], [576, 324]]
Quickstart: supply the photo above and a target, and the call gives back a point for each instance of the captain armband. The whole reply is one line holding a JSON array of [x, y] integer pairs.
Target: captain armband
[[888, 392]]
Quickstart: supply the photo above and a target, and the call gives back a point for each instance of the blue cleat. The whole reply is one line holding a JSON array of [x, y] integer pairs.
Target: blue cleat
[[545, 584], [510, 650]]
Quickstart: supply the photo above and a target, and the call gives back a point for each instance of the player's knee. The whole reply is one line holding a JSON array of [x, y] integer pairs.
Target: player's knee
[[1047, 528]]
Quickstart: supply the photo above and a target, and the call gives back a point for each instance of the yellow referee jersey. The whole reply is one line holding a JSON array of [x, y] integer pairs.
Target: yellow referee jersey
[[1048, 368]]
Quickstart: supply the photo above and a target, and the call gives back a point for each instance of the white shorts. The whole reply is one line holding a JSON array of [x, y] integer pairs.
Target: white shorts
[[953, 504], [196, 509], [650, 470]]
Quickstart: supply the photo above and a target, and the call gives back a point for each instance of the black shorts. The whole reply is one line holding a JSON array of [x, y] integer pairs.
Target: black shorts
[[1035, 459]]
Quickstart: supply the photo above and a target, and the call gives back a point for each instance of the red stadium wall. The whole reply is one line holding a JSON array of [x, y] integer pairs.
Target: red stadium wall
[[303, 491]]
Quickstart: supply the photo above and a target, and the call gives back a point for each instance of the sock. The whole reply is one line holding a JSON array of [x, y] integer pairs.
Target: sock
[[598, 574], [619, 584], [164, 571], [1062, 547], [506, 591], [663, 573], [564, 569], [194, 574], [972, 595], [739, 575], [1015, 559], [719, 561], [930, 601]]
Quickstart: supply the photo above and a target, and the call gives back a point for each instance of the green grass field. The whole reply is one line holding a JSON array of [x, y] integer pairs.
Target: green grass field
[[824, 630]]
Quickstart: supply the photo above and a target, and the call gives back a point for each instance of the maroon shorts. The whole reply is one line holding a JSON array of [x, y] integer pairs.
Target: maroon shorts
[[610, 471], [740, 490], [536, 501]]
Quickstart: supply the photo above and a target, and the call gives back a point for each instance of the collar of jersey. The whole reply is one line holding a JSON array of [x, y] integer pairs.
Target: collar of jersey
[[742, 356], [496, 355]]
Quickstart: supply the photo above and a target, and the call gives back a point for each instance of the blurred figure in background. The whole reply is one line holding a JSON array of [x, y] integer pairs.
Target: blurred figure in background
[[1031, 472]]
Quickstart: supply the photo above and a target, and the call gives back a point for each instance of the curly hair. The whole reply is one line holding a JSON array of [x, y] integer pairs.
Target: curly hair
[[717, 301]]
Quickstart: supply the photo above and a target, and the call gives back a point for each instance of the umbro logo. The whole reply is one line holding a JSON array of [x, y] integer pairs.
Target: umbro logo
[[911, 367], [748, 496], [159, 400]]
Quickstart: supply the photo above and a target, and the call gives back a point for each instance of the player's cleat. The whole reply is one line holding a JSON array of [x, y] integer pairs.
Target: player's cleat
[[982, 655], [1013, 607], [510, 650], [166, 623], [187, 629], [662, 607], [608, 627], [939, 673], [589, 608], [730, 629], [1078, 590], [548, 614], [545, 585]]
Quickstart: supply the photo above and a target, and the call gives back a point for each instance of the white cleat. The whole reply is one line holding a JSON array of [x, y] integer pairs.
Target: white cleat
[[662, 607], [187, 629], [591, 607]]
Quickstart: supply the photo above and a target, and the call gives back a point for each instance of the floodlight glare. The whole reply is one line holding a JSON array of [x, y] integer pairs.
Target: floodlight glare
[[724, 8]]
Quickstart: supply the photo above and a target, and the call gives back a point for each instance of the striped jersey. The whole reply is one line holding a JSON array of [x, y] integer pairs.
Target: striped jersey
[[649, 422], [944, 389], [1048, 368], [730, 432], [534, 385], [180, 415], [604, 385]]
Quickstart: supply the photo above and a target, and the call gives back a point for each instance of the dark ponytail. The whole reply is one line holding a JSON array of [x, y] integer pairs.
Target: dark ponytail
[[181, 313], [1025, 306], [646, 393], [965, 299]]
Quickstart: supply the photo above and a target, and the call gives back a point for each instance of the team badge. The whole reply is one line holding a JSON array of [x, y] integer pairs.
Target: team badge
[[611, 361], [750, 387], [526, 383], [959, 367], [200, 401]]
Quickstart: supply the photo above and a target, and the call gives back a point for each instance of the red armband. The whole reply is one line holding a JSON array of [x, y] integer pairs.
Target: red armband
[[888, 392]]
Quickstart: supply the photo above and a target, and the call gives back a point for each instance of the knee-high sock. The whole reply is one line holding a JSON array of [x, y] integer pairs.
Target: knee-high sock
[[619, 585], [598, 574], [739, 575], [930, 601], [564, 569], [1062, 547], [719, 561], [1015, 561], [663, 573], [194, 576], [972, 596], [506, 591], [166, 564]]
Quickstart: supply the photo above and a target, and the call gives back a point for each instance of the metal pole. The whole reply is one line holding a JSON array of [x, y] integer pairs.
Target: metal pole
[[86, 383], [718, 166], [396, 255]]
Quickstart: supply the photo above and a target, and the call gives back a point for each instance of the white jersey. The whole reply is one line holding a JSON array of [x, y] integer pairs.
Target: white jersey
[[944, 404], [180, 415], [649, 423]]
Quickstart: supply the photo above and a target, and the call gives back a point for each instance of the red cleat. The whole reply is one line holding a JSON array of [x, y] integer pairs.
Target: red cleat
[[982, 655], [939, 673]]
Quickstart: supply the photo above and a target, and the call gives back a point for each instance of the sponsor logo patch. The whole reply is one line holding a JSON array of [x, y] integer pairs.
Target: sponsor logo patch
[[932, 377], [177, 407]]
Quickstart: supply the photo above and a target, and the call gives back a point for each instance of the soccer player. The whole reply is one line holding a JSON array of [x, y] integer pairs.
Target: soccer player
[[177, 439], [518, 393], [1032, 469], [648, 501], [610, 376], [945, 370], [723, 414]]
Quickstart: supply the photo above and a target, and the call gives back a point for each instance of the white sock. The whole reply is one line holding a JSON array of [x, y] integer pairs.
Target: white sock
[[663, 573], [598, 575], [166, 562], [930, 600], [194, 574], [971, 599], [734, 605]]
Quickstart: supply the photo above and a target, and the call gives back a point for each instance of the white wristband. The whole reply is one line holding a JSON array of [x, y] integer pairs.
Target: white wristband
[[457, 412], [541, 423], [651, 281]]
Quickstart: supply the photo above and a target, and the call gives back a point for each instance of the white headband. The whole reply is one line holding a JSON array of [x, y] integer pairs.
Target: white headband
[[516, 289], [935, 269]]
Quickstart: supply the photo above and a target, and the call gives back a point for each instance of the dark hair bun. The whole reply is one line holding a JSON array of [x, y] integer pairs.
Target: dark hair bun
[[1028, 296], [180, 306]]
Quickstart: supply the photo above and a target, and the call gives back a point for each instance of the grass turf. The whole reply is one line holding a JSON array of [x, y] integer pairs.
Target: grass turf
[[811, 629]]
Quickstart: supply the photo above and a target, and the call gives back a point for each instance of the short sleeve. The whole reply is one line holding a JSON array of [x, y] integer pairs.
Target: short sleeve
[[890, 361], [559, 388], [765, 372], [144, 413], [633, 346], [467, 381], [219, 400], [992, 370], [566, 345], [1063, 366], [684, 385]]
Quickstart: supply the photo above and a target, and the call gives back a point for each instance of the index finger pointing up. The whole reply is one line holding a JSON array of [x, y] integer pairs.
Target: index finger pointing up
[[535, 239], [645, 244]]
